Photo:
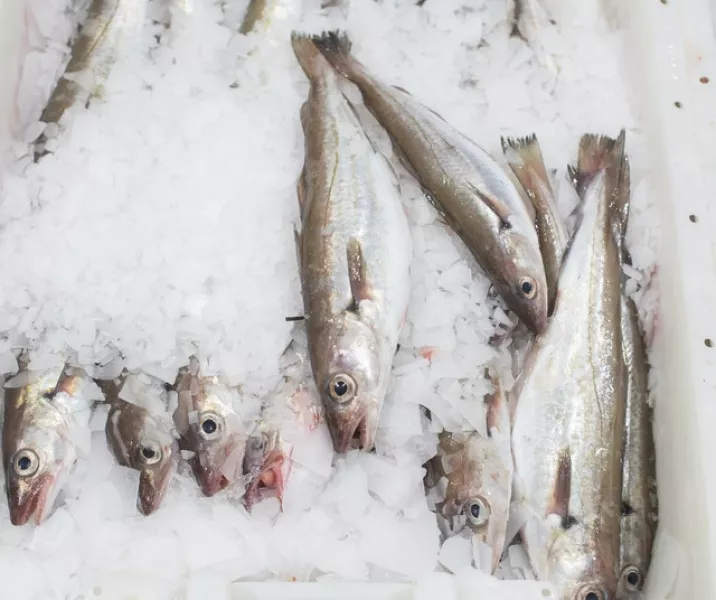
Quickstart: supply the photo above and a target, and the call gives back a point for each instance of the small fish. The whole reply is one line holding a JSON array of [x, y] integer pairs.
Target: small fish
[[479, 478], [98, 44], [530, 21], [639, 509], [262, 13], [140, 435], [525, 158], [210, 428], [355, 251], [46, 417], [467, 187], [568, 426]]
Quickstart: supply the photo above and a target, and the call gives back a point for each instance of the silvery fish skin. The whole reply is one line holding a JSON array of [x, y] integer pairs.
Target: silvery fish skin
[[141, 438], [262, 13], [530, 20], [46, 415], [470, 190], [639, 508], [210, 428], [568, 426], [108, 24], [355, 251], [479, 478], [525, 158]]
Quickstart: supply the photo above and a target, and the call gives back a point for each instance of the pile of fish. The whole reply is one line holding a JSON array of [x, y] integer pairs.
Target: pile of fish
[[569, 448]]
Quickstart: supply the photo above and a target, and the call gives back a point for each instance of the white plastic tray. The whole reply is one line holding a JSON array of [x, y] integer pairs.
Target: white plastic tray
[[672, 48]]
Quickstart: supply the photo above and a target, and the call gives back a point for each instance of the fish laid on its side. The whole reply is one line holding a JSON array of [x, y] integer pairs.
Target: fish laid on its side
[[46, 415], [639, 508], [470, 190], [210, 428], [571, 397], [478, 470], [140, 435], [355, 251]]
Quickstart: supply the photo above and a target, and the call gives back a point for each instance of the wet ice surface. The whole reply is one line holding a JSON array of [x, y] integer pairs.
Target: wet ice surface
[[162, 223]]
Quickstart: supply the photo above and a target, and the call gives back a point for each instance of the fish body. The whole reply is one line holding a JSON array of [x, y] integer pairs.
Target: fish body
[[355, 251], [210, 428], [140, 435], [530, 21], [639, 509], [479, 472], [568, 426], [468, 188], [46, 419]]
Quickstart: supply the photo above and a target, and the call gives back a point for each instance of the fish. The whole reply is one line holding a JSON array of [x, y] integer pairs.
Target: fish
[[569, 402], [294, 405], [210, 429], [525, 159], [479, 472], [355, 252], [140, 434], [46, 423], [469, 189], [101, 40], [260, 14], [639, 506], [529, 22]]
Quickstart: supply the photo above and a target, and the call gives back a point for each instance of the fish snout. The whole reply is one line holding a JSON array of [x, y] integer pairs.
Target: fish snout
[[357, 432], [27, 499]]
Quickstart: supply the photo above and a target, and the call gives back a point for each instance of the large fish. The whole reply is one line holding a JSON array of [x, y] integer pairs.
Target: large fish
[[639, 509], [140, 435], [569, 417], [478, 471], [355, 251], [46, 418], [210, 428], [472, 192]]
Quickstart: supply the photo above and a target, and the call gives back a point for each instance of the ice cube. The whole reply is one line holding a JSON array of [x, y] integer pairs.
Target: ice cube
[[456, 552]]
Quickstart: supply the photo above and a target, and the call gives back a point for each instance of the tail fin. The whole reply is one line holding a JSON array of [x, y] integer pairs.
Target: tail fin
[[336, 47], [308, 54]]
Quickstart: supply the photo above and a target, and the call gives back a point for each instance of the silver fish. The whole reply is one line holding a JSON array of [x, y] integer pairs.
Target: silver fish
[[468, 188], [569, 417], [639, 509], [530, 20], [355, 251], [46, 416], [140, 435], [210, 428], [479, 471]]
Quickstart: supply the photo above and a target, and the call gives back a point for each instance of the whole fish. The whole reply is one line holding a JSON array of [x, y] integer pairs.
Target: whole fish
[[355, 251], [140, 435], [470, 190], [98, 44], [525, 158], [568, 426], [479, 471], [210, 428], [46, 418], [639, 509]]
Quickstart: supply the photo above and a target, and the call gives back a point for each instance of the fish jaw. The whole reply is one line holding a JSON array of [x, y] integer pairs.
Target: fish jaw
[[29, 499], [359, 430], [153, 484], [210, 479], [272, 477]]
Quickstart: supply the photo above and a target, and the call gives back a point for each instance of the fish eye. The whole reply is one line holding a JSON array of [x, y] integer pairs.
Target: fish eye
[[477, 511], [632, 578], [209, 426], [592, 593], [528, 287], [342, 388], [150, 453], [25, 462]]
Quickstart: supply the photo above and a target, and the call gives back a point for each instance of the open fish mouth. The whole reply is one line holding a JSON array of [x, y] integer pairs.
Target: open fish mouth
[[24, 505], [269, 482], [355, 434], [211, 480]]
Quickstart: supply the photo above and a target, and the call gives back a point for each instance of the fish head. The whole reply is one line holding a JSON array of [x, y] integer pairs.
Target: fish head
[[479, 485], [266, 464], [522, 282], [351, 377]]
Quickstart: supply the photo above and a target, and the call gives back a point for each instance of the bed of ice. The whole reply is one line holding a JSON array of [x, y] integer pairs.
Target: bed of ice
[[162, 223]]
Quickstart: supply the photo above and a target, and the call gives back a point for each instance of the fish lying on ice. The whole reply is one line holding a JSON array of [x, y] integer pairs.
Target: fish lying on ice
[[355, 251], [210, 428], [468, 188], [479, 471], [530, 22], [569, 416], [46, 423], [140, 434]]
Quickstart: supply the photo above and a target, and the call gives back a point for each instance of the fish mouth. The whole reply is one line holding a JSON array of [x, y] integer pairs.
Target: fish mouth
[[357, 433], [30, 500], [270, 481], [153, 484], [210, 479]]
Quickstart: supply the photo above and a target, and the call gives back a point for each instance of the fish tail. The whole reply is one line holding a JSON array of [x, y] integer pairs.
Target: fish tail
[[336, 47], [309, 56], [525, 152]]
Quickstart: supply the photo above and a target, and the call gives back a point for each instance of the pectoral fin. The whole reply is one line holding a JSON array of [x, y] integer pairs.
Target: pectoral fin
[[360, 287], [562, 489], [502, 212]]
